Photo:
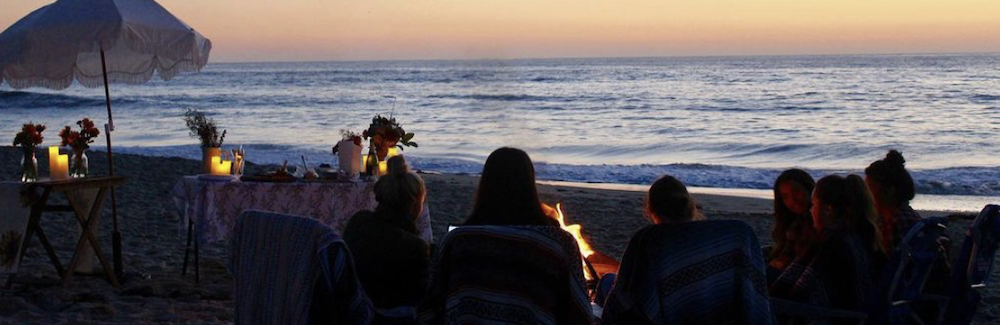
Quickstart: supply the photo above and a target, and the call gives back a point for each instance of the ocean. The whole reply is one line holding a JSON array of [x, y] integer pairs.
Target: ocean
[[717, 122]]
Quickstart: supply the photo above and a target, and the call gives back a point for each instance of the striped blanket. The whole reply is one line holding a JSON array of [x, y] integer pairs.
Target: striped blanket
[[701, 272], [528, 275], [283, 266]]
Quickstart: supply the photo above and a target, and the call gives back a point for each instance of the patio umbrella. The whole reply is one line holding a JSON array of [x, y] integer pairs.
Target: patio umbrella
[[97, 42]]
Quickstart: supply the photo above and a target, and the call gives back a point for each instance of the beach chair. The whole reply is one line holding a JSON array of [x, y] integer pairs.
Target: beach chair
[[701, 272], [507, 275], [971, 269], [906, 273], [901, 284], [293, 270]]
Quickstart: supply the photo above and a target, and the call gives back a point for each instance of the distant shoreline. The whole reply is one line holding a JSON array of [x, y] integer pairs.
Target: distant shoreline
[[620, 57]]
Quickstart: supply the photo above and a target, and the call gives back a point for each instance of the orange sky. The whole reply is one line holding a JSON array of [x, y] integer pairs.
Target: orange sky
[[310, 30]]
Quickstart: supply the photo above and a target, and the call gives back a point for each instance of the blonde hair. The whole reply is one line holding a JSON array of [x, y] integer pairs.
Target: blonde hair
[[400, 189]]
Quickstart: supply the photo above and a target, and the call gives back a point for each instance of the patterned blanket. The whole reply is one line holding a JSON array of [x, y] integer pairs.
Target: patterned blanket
[[528, 275], [284, 266], [702, 272]]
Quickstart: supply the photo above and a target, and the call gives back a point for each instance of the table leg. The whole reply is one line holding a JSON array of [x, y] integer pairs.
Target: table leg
[[197, 264], [187, 248], [87, 235], [34, 225]]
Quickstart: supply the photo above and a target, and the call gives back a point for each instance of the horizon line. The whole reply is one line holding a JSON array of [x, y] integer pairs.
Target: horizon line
[[621, 57]]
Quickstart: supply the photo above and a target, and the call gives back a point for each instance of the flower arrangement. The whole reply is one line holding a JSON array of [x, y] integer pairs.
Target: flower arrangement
[[29, 137], [386, 132], [348, 135], [204, 128], [79, 140]]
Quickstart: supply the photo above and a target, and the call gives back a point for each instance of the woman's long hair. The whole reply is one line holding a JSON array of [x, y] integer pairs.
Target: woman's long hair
[[785, 218], [853, 208], [507, 194]]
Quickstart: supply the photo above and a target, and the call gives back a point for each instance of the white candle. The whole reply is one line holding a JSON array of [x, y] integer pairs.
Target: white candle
[[383, 168], [62, 168], [393, 152], [226, 167], [215, 161], [53, 154], [364, 161]]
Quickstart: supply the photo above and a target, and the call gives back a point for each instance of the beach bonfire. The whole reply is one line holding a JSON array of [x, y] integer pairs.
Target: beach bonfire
[[585, 249]]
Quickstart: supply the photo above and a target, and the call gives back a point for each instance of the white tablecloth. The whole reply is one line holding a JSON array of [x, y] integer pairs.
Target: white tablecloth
[[215, 206], [13, 224]]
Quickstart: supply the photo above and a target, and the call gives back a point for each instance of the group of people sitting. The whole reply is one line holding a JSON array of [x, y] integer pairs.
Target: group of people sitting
[[831, 239]]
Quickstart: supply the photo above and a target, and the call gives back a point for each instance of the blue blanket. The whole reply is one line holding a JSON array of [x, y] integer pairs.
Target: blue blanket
[[292, 270], [530, 275], [701, 272]]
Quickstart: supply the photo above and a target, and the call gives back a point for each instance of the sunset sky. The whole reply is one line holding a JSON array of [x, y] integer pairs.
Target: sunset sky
[[315, 30]]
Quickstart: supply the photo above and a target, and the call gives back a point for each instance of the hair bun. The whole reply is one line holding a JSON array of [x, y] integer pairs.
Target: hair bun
[[894, 157]]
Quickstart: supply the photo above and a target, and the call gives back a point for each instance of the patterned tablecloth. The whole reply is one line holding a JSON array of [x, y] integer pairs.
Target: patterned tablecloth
[[215, 206]]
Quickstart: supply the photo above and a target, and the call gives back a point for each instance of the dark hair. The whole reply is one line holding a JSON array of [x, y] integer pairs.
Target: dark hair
[[853, 207], [784, 218], [668, 200], [890, 173], [507, 194]]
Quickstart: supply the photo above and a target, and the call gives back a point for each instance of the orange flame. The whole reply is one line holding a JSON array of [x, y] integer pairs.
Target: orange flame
[[574, 230]]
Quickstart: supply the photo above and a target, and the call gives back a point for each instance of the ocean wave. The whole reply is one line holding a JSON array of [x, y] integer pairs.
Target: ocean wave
[[502, 97], [24, 99], [982, 97]]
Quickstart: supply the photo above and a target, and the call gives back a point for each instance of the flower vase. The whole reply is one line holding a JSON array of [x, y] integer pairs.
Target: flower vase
[[206, 158], [349, 157], [78, 166], [29, 167]]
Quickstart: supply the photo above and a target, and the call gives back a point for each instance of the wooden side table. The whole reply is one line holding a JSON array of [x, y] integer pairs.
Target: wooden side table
[[77, 206]]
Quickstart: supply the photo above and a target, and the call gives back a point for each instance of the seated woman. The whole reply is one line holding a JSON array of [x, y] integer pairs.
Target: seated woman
[[510, 263], [892, 187], [793, 228], [507, 194], [682, 270], [390, 257], [843, 262]]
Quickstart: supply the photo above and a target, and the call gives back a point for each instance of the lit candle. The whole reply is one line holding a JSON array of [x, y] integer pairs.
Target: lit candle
[[383, 168], [393, 152], [364, 160], [216, 161], [226, 167], [62, 168], [53, 153]]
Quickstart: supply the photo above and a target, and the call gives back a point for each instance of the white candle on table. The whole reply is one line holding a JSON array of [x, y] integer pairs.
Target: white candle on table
[[226, 167], [62, 168], [53, 154], [383, 168], [216, 162]]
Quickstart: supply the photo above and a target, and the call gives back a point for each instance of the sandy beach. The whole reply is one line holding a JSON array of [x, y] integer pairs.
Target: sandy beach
[[154, 291]]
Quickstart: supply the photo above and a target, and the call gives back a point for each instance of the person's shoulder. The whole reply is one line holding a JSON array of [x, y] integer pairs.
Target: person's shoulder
[[358, 220]]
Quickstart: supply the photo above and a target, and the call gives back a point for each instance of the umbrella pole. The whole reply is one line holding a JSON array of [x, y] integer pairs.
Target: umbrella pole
[[116, 236]]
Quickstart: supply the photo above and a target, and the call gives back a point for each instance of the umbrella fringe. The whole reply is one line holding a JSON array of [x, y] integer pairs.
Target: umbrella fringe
[[95, 81]]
